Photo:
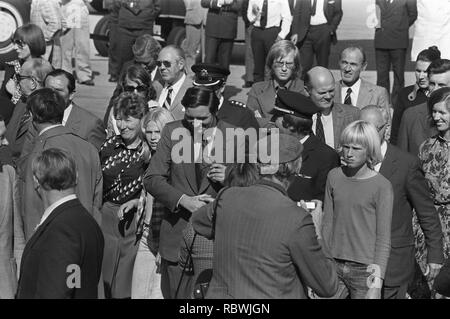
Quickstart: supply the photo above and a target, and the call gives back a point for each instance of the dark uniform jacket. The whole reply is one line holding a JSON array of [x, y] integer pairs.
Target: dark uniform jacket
[[318, 160], [221, 22], [302, 17]]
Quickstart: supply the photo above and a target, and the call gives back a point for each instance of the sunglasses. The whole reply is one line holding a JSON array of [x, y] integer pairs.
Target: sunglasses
[[167, 64], [139, 89], [17, 42], [20, 78]]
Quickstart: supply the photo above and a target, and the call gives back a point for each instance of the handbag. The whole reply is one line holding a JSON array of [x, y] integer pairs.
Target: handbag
[[201, 285]]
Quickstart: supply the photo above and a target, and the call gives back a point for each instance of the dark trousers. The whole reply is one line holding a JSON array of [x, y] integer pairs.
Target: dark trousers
[[262, 41], [113, 51], [397, 292], [218, 51], [384, 58], [170, 279], [126, 38], [316, 44]]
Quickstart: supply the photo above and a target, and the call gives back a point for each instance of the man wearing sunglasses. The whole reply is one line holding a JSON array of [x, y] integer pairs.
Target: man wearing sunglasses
[[171, 65], [30, 79], [293, 116]]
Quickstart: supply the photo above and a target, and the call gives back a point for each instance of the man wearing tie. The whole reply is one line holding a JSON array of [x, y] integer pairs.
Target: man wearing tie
[[272, 22], [333, 117], [171, 64], [392, 40], [352, 89], [314, 28]]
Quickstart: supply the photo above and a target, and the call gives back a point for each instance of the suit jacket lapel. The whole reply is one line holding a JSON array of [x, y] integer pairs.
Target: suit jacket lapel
[[74, 120], [338, 122], [337, 92], [389, 163], [363, 94]]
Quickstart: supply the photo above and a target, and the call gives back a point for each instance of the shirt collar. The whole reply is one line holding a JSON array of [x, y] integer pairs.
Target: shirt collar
[[303, 140], [49, 128], [266, 182], [355, 87], [177, 85], [67, 114], [384, 146], [53, 206]]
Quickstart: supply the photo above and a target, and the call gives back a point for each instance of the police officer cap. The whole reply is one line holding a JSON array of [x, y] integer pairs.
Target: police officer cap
[[207, 74], [295, 104]]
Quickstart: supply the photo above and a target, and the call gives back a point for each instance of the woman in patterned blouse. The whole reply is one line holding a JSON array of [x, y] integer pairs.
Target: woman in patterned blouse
[[28, 41], [124, 159], [435, 157]]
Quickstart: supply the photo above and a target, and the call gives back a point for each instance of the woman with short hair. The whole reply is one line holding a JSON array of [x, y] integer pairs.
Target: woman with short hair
[[124, 160], [29, 42], [357, 214]]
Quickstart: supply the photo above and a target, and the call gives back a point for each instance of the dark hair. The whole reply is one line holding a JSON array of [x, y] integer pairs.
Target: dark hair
[[241, 174], [33, 36], [439, 66], [47, 106], [60, 72], [437, 96], [137, 73], [301, 125], [429, 55], [130, 104], [55, 169], [2, 118], [196, 96]]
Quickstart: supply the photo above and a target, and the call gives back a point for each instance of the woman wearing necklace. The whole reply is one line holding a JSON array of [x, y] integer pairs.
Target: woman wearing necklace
[[358, 213]]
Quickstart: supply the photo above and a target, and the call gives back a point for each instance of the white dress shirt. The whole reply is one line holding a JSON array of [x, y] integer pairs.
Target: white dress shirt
[[319, 17], [327, 123], [383, 154], [53, 206], [176, 88], [355, 91], [67, 114], [278, 11]]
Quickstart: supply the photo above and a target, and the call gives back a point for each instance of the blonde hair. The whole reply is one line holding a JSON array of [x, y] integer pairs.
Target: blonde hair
[[366, 135], [159, 115]]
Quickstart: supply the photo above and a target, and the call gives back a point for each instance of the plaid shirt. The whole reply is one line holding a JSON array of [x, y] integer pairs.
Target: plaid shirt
[[46, 14]]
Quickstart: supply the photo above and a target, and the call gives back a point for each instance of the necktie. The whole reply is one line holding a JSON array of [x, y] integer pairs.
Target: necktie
[[200, 168], [168, 100], [263, 19], [319, 128], [23, 125], [348, 98], [313, 8]]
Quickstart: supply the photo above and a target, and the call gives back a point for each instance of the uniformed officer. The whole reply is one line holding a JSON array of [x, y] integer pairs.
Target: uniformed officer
[[293, 115], [233, 112]]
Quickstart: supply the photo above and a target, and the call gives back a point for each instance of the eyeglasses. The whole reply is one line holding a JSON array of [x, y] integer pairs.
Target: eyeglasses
[[20, 77], [280, 64], [381, 127], [167, 64], [17, 42], [139, 88]]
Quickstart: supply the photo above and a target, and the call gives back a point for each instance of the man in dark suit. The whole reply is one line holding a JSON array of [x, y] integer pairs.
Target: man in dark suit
[[314, 28], [410, 192], [63, 258], [214, 77], [265, 246], [83, 123], [392, 40], [6, 109], [181, 179], [416, 125], [31, 78], [220, 30], [293, 116], [333, 117], [47, 109]]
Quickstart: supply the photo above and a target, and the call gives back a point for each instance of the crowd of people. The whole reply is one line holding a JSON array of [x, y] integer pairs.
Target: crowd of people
[[174, 194]]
